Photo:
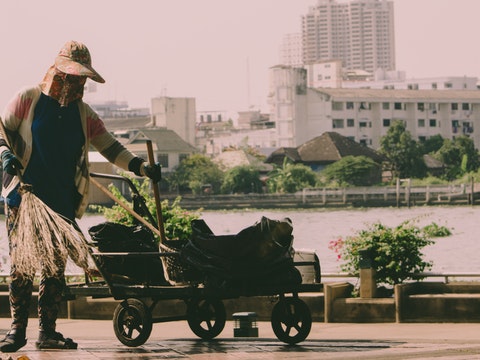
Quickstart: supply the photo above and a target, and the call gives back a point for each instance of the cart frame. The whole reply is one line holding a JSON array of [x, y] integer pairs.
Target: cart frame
[[206, 315]]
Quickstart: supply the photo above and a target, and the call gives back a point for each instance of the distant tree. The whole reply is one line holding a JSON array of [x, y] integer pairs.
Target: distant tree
[[290, 178], [432, 144], [354, 170], [241, 179], [194, 172], [459, 156], [403, 152]]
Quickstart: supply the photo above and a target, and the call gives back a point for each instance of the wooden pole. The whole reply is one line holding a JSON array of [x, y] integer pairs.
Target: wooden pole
[[125, 206], [156, 194]]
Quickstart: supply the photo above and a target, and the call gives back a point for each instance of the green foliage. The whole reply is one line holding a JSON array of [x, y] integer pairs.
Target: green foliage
[[434, 230], [459, 156], [241, 179], [291, 178], [403, 152], [176, 220], [396, 252], [354, 170], [194, 172], [429, 180], [432, 144]]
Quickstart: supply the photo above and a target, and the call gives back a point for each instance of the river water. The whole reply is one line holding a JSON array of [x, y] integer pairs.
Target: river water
[[314, 229]]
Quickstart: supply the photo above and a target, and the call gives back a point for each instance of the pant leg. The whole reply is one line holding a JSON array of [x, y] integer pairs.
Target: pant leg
[[50, 296], [21, 285]]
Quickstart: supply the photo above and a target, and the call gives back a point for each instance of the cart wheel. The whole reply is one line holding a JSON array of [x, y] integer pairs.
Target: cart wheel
[[132, 322], [206, 317], [291, 320]]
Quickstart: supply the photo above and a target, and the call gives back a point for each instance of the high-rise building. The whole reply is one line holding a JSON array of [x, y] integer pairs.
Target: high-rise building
[[291, 50], [360, 33]]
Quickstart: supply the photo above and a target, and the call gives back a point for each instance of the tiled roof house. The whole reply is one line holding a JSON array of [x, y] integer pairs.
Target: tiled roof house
[[323, 150]]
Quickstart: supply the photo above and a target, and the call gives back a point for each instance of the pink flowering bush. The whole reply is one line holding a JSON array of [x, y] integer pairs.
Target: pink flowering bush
[[396, 252]]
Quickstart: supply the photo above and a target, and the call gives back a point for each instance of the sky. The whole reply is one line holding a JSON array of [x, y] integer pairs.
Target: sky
[[216, 51]]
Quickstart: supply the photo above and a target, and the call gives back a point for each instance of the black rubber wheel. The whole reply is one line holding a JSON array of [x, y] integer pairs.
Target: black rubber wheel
[[291, 320], [132, 322], [206, 317]]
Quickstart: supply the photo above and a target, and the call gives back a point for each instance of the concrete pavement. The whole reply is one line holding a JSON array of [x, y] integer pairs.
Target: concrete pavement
[[175, 340]]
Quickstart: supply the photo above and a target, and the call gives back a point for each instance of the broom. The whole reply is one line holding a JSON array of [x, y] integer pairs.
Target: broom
[[40, 235]]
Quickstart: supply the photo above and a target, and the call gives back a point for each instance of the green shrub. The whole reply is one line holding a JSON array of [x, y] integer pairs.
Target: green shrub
[[396, 253], [176, 220]]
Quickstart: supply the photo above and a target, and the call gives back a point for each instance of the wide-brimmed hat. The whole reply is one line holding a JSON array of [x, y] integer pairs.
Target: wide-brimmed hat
[[74, 59]]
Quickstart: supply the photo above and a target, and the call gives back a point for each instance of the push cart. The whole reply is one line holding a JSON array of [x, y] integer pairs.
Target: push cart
[[129, 274]]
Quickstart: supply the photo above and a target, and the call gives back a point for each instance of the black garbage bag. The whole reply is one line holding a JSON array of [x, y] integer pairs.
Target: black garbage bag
[[261, 253], [112, 237]]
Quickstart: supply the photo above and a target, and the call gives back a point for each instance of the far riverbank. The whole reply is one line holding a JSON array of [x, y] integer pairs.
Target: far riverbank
[[372, 196]]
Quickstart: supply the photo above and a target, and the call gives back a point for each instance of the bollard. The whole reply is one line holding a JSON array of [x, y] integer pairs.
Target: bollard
[[368, 284], [245, 324]]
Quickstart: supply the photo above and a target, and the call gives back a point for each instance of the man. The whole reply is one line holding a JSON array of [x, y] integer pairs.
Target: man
[[48, 133]]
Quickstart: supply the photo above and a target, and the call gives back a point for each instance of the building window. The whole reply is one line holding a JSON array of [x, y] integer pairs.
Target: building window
[[465, 106], [397, 106], [350, 122], [433, 122], [201, 118], [386, 106], [421, 123], [337, 123], [386, 122], [163, 160], [448, 85], [182, 157], [349, 105], [364, 106], [455, 126], [336, 105], [422, 139], [434, 86], [219, 117], [467, 127], [420, 106], [362, 124], [454, 106]]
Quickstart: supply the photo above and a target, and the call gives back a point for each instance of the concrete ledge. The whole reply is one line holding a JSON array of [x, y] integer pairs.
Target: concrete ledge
[[334, 291], [438, 302], [361, 310]]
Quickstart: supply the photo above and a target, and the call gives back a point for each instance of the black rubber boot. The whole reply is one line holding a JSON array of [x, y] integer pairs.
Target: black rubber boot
[[14, 340], [54, 340]]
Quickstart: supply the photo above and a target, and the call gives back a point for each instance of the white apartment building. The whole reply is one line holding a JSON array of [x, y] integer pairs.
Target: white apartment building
[[432, 83], [177, 114], [360, 33], [302, 113], [326, 74]]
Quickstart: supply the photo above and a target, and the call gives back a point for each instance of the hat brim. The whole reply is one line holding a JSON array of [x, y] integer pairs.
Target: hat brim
[[68, 66]]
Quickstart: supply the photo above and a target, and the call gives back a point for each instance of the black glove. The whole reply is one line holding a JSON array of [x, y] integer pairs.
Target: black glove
[[10, 163], [153, 172]]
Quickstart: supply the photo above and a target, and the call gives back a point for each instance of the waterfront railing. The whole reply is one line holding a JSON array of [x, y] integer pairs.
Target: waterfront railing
[[399, 195]]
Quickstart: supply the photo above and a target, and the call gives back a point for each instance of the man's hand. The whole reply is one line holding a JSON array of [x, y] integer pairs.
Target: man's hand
[[153, 172], [10, 163]]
